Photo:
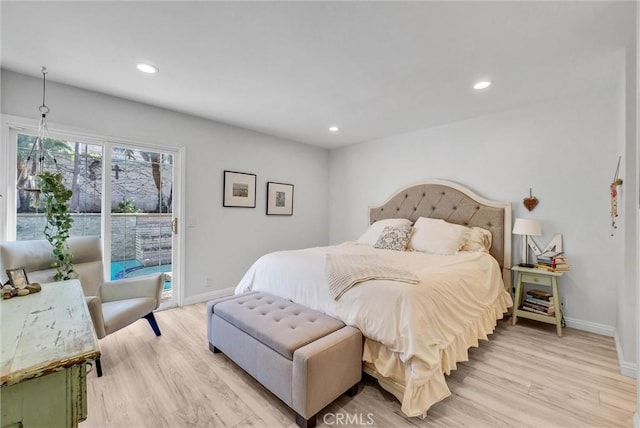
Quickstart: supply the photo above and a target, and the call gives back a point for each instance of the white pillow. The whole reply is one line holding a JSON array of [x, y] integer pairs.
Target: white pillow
[[437, 236], [477, 239], [370, 237]]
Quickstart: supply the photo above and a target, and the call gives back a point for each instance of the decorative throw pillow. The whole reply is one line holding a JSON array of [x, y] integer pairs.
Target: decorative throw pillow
[[394, 238], [478, 239], [370, 237], [437, 236]]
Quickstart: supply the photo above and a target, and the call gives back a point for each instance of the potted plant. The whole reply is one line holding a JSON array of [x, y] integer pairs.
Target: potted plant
[[55, 197]]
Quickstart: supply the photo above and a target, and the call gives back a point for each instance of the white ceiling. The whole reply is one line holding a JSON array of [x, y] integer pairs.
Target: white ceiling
[[292, 69]]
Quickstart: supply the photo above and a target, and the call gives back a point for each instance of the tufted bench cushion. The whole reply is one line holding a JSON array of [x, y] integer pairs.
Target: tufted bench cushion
[[304, 357], [280, 324]]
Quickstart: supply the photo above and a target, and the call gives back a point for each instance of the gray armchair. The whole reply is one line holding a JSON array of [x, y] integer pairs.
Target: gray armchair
[[112, 304]]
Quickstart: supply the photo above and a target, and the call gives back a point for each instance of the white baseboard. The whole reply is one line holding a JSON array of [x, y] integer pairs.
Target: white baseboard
[[629, 369], [626, 368], [636, 420], [591, 327], [205, 297]]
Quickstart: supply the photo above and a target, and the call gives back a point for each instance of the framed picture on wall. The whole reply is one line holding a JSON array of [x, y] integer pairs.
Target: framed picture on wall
[[279, 198], [239, 190]]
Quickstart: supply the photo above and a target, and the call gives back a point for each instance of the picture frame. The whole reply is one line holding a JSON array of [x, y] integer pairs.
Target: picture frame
[[239, 190], [18, 278], [279, 198]]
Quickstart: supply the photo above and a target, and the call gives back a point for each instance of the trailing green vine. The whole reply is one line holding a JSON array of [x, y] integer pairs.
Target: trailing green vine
[[55, 198]]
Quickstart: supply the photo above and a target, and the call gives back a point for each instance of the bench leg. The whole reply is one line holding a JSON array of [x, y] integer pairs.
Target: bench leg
[[353, 390], [306, 423], [213, 349]]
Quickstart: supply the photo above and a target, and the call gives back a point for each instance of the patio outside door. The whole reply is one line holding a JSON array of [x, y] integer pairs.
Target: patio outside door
[[141, 216]]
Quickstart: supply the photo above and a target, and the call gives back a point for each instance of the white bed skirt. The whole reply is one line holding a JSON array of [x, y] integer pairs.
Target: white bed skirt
[[418, 393]]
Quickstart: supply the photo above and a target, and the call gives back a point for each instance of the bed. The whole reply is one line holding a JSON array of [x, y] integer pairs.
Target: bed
[[415, 331]]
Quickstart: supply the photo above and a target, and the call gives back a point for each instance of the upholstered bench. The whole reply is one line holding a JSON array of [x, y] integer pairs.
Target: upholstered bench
[[306, 358]]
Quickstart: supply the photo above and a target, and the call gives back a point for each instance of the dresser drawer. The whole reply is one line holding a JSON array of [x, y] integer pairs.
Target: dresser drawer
[[536, 279]]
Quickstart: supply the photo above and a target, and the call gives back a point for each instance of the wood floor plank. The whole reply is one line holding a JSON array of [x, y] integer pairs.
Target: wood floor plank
[[524, 376]]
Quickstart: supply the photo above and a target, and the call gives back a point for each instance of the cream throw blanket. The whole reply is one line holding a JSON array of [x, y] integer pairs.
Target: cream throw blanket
[[345, 271]]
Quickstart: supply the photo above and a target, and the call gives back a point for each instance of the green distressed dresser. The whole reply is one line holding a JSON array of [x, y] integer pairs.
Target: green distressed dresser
[[47, 339]]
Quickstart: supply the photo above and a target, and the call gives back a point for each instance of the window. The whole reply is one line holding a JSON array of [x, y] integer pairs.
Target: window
[[81, 166]]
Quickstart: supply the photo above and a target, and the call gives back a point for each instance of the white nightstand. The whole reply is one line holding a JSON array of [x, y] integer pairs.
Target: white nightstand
[[537, 277]]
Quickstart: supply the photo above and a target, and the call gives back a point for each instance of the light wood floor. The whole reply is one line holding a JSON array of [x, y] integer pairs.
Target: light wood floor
[[524, 376]]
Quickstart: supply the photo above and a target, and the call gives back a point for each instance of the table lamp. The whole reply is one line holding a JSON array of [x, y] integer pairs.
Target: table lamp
[[526, 228]]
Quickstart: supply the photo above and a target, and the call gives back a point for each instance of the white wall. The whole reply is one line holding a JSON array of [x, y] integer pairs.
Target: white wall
[[565, 150], [225, 241], [636, 418], [627, 325]]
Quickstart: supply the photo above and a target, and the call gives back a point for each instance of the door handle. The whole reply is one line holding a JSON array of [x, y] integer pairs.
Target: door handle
[[174, 225]]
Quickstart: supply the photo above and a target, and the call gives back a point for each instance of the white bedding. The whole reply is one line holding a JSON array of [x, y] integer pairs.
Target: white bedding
[[422, 326], [344, 271]]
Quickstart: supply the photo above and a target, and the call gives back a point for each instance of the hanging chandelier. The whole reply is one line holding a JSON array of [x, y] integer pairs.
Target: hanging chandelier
[[38, 154]]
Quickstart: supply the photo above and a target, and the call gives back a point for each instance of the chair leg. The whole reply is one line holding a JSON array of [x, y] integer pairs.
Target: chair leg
[[152, 322], [98, 367]]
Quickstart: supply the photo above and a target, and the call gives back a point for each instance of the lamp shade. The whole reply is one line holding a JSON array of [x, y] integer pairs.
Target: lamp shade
[[524, 226]]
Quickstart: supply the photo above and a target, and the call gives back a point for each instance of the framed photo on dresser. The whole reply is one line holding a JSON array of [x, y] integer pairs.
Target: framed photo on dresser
[[18, 277]]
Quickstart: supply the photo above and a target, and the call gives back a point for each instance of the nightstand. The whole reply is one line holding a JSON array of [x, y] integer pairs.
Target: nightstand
[[537, 277]]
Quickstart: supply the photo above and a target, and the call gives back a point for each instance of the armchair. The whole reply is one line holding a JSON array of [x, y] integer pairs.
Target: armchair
[[112, 304]]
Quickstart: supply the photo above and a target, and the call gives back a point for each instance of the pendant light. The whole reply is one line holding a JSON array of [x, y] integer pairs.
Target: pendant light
[[38, 154]]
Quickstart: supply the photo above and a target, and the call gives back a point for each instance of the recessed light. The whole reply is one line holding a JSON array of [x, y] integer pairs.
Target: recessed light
[[483, 84], [334, 128], [147, 68]]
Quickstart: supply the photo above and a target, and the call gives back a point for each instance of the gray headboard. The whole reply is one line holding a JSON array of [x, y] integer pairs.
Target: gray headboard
[[456, 204]]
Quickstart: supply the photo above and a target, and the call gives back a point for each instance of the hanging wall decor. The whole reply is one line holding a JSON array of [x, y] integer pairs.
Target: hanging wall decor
[[613, 190], [531, 202], [39, 153], [279, 198], [239, 190]]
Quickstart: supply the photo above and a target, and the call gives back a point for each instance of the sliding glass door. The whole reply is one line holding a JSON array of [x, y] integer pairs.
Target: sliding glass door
[[121, 192], [142, 215]]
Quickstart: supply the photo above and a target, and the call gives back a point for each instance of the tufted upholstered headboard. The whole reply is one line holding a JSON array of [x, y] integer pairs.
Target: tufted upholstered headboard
[[456, 204]]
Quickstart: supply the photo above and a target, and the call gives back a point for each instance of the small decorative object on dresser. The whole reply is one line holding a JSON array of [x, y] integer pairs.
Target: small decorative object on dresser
[[536, 304], [18, 277], [239, 190], [279, 198], [18, 284]]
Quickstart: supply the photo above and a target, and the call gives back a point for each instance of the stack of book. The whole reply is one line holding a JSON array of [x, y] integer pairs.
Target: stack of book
[[539, 302], [561, 264], [552, 261]]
